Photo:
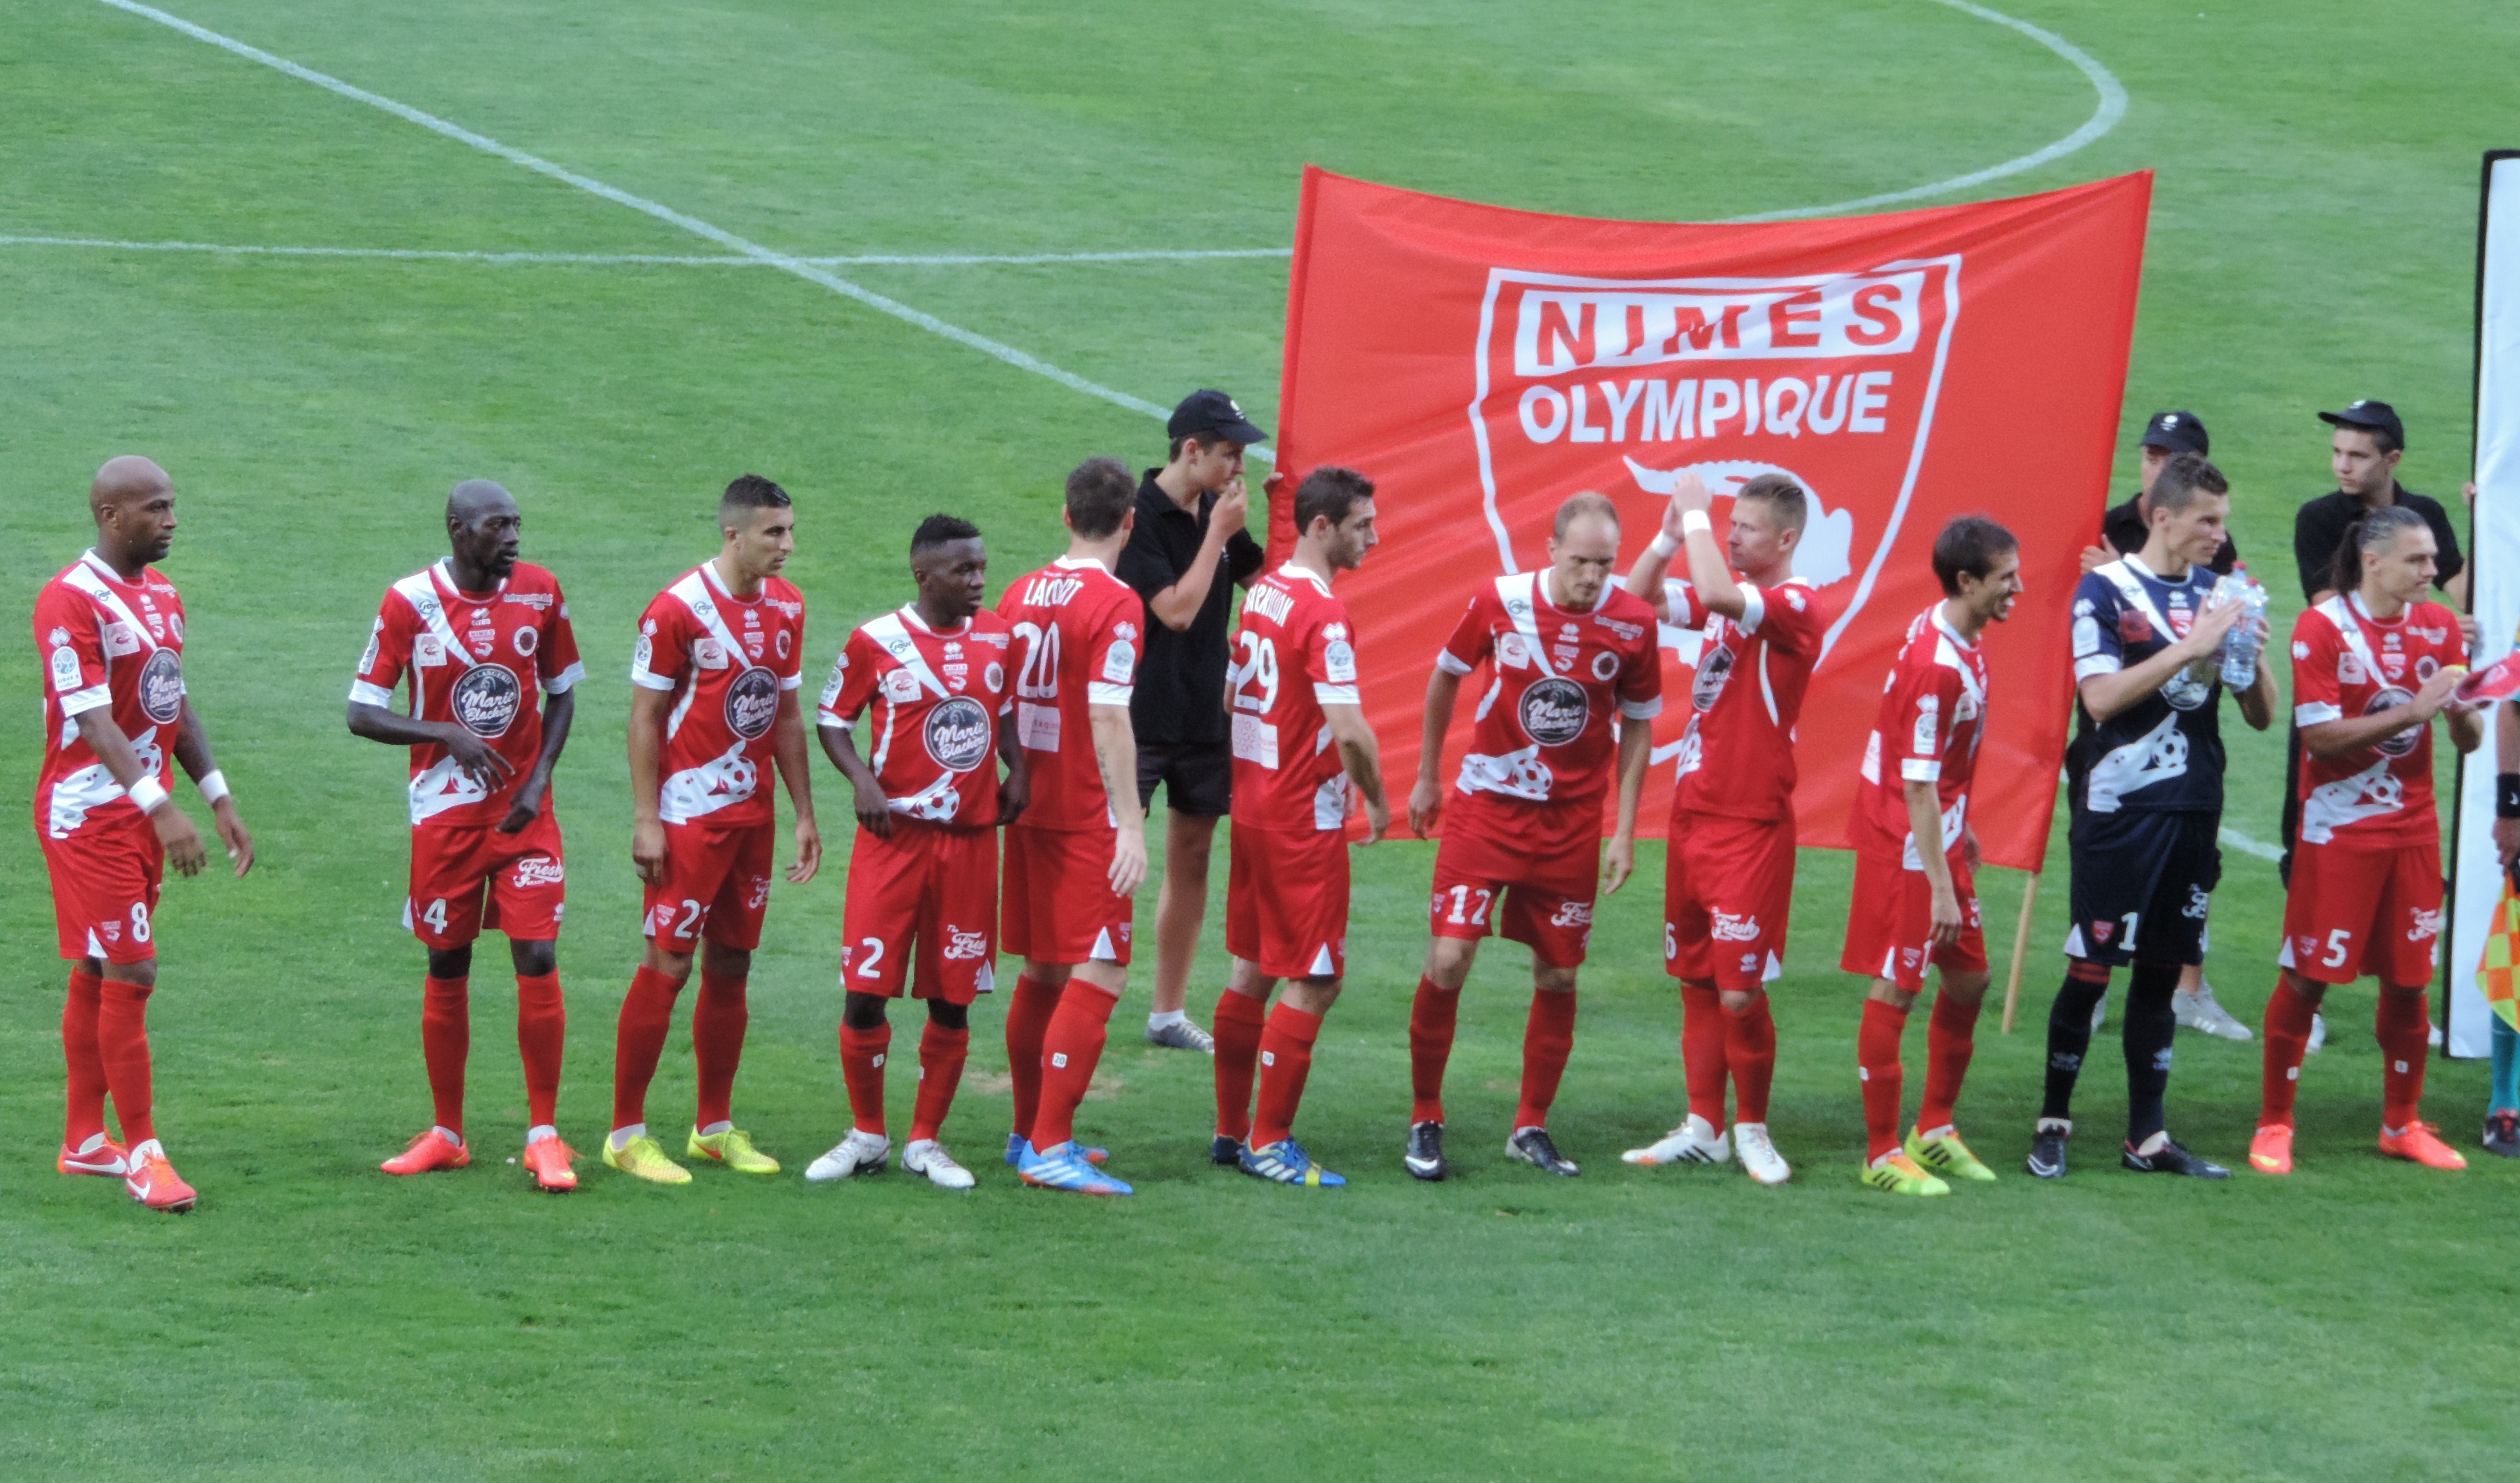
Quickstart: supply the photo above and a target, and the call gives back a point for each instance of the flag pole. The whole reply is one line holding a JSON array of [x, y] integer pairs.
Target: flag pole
[[2020, 946]]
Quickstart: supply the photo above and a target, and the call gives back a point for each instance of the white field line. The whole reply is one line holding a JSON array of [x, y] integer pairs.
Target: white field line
[[2248, 846], [611, 260]]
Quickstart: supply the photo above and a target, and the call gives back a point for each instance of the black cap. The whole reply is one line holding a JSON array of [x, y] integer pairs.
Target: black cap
[[1206, 413], [2177, 432], [2379, 417]]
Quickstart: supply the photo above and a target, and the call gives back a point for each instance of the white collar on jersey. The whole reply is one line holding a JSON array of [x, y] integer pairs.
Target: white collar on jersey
[[1079, 563], [2362, 610], [910, 615], [2137, 562], [443, 574], [717, 584], [104, 570], [1948, 631], [1291, 569], [1540, 590]]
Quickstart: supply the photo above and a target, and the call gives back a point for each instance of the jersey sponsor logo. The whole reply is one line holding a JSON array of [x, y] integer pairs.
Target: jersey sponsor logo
[[2403, 742], [2431, 635], [1605, 667], [900, 687], [486, 699], [539, 601], [538, 869], [2134, 627], [751, 702], [1732, 927], [120, 640], [708, 653], [2425, 923], [1511, 652], [780, 643], [525, 641], [2350, 670], [963, 946], [161, 687], [957, 734], [429, 651], [66, 669], [1338, 662], [2185, 690], [1714, 667], [1628, 632], [1553, 712]]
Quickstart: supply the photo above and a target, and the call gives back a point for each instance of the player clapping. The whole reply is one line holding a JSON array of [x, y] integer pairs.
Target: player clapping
[[477, 634], [932, 678]]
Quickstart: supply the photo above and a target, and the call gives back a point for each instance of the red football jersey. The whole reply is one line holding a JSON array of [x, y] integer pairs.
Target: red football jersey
[[1737, 755], [937, 697], [1933, 713], [2347, 665], [1293, 654], [106, 642], [476, 660], [729, 659], [1076, 641], [1542, 730]]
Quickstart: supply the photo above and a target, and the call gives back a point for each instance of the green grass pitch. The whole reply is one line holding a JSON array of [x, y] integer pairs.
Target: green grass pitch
[[2313, 241]]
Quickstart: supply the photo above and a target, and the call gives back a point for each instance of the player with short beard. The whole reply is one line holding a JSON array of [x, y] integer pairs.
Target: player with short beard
[[476, 635], [1915, 903], [1300, 740], [716, 671], [1728, 884], [933, 679], [2146, 785], [112, 635], [1565, 650], [2372, 666]]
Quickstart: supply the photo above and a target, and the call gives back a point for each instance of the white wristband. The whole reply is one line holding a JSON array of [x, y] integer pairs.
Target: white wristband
[[148, 793], [1663, 546], [213, 785], [1696, 522]]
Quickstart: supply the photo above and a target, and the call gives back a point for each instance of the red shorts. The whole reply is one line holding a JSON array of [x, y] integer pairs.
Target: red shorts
[[717, 884], [928, 896], [2352, 911], [1286, 901], [1890, 928], [452, 868], [105, 885], [1058, 907], [1546, 863], [1728, 887]]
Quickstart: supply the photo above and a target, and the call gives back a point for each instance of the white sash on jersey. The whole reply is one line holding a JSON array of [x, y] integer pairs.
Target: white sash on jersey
[[85, 578], [2349, 626], [698, 594], [938, 801], [893, 634], [443, 785], [75, 796], [1520, 593], [2130, 588], [420, 590]]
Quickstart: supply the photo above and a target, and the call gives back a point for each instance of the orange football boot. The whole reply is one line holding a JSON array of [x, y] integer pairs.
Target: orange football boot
[[549, 1161], [429, 1153], [100, 1154], [2417, 1143], [154, 1182], [2271, 1150]]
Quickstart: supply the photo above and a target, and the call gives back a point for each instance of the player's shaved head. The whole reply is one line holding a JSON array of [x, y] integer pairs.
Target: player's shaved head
[[1585, 505], [133, 502], [482, 529], [473, 499], [126, 479]]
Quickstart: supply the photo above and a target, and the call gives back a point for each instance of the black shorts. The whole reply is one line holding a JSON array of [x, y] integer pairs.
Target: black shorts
[[1197, 778], [2140, 886]]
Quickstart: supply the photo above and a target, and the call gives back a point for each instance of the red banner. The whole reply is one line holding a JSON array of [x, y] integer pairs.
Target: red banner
[[1481, 365]]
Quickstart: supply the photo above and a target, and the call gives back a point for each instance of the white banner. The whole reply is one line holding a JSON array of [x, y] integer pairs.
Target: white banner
[[2476, 876]]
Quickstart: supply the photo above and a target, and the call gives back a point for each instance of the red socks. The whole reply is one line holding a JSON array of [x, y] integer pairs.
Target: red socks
[[647, 1014], [1950, 1041], [2286, 1033], [1286, 1059], [1548, 1039], [2403, 1025], [718, 1019], [1751, 1054], [1028, 1015], [1070, 1048], [1431, 1019], [1237, 1026], [86, 1117], [1702, 1049], [542, 1029], [1876, 1060], [445, 1040], [122, 1047], [862, 1064], [941, 1052]]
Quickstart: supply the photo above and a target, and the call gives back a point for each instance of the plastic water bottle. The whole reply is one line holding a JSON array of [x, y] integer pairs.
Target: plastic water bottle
[[2240, 646]]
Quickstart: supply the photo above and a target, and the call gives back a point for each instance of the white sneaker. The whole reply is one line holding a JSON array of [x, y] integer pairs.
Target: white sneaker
[[929, 1156], [1759, 1156], [2317, 1035], [1694, 1142], [2101, 1011], [857, 1153], [2202, 1013]]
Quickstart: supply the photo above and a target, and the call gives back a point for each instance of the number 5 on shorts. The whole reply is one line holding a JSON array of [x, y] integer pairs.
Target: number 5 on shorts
[[2340, 943]]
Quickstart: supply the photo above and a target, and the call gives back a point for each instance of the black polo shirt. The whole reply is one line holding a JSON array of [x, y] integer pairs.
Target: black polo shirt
[[2320, 528], [1180, 694], [2126, 530]]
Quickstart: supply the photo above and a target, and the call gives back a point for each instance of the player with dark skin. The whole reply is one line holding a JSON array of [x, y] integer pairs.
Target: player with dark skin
[[133, 501], [482, 529], [953, 584]]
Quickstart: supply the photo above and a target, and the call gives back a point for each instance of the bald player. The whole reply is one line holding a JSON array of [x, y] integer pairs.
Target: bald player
[[110, 631], [474, 635]]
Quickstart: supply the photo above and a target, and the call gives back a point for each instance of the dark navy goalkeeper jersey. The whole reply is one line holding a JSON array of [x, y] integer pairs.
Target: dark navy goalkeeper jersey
[[2163, 753]]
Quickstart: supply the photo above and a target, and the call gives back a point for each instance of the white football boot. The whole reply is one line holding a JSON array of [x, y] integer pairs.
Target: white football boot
[[857, 1153], [1759, 1156], [928, 1156], [1694, 1142]]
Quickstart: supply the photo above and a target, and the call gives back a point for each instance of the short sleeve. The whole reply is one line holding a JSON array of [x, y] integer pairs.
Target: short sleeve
[[1926, 698], [1329, 661], [562, 665], [2447, 560], [2317, 694], [852, 683], [2313, 546], [662, 652], [1111, 658], [1791, 621], [1681, 598], [1144, 562], [1244, 557], [386, 657], [1473, 637], [74, 651], [1640, 682], [2099, 644], [791, 668]]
